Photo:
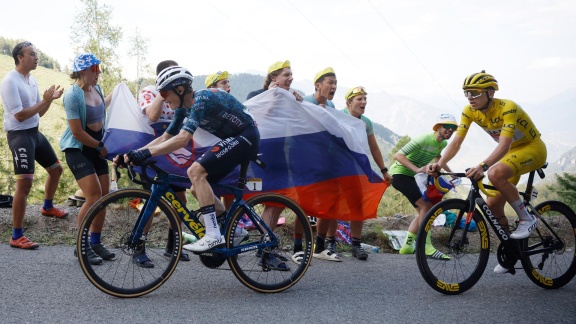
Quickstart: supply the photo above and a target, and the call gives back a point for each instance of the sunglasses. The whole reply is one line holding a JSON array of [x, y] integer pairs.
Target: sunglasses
[[473, 93], [356, 91], [449, 126], [95, 68], [163, 93], [20, 46]]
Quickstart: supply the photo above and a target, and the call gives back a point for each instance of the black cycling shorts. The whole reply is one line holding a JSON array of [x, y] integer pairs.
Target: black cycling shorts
[[407, 186], [30, 145], [86, 161], [223, 157]]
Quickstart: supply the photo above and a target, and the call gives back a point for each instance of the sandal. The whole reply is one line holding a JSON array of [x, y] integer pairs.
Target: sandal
[[142, 260], [273, 262], [438, 255], [279, 256], [327, 255], [298, 257], [183, 255]]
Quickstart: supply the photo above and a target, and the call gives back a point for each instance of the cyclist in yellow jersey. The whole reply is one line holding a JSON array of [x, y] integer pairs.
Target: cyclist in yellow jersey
[[519, 150]]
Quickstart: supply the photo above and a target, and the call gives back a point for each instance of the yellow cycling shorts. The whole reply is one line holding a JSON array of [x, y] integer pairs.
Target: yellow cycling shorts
[[525, 158]]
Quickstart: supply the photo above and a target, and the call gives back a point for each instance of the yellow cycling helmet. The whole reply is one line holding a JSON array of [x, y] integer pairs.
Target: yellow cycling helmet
[[480, 80]]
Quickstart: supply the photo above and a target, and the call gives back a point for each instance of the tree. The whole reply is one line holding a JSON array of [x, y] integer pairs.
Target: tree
[[92, 32], [403, 141], [138, 50], [566, 189]]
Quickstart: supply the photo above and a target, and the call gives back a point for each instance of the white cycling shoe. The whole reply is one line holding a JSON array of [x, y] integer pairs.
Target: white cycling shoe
[[239, 238], [500, 269], [205, 243], [524, 229]]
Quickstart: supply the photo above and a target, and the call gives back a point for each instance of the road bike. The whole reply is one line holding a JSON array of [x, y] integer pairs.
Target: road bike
[[548, 255], [128, 231]]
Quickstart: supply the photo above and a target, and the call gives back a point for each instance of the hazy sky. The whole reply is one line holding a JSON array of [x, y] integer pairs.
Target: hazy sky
[[422, 49]]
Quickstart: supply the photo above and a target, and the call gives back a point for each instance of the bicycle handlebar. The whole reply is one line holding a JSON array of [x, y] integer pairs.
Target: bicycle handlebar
[[146, 164], [488, 192]]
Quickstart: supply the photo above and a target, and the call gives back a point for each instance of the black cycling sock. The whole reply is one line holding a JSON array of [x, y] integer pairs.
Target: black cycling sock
[[298, 248], [319, 244], [170, 240], [355, 241]]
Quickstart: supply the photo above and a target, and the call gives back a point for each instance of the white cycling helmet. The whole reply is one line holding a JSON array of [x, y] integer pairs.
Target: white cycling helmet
[[174, 76], [445, 119]]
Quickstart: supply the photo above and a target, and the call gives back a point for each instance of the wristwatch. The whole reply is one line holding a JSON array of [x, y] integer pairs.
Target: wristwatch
[[484, 166], [384, 170], [100, 146]]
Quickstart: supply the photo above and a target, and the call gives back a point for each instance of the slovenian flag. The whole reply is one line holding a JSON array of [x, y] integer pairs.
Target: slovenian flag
[[316, 156]]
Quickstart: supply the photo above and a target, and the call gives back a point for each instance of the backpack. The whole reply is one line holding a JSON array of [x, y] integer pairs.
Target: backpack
[[6, 201]]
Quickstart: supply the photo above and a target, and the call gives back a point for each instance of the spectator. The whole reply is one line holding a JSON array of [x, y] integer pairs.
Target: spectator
[[85, 107], [413, 158], [218, 80], [23, 108], [355, 106], [279, 76], [325, 85]]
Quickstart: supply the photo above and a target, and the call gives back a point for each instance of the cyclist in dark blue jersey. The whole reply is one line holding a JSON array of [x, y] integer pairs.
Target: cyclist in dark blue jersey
[[218, 113]]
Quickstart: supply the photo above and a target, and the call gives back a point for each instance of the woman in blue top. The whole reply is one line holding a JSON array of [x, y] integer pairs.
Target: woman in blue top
[[82, 144]]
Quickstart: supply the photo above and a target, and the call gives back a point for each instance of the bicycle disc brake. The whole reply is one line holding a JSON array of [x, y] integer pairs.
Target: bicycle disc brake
[[506, 258], [212, 260]]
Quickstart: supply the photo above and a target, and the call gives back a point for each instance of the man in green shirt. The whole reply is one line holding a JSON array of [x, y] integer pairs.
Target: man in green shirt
[[413, 158]]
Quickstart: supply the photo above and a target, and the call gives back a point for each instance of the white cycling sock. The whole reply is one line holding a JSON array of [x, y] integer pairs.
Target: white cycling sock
[[212, 227], [520, 209]]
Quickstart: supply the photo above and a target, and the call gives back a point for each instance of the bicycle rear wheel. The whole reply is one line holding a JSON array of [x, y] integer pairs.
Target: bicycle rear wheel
[[468, 254], [549, 257], [261, 269], [124, 276]]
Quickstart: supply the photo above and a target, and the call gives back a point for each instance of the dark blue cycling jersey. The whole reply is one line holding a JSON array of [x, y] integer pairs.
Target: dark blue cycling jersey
[[215, 111]]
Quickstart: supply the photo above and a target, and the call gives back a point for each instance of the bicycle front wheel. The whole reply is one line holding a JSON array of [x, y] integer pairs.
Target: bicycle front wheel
[[127, 274], [270, 269], [549, 257], [463, 256]]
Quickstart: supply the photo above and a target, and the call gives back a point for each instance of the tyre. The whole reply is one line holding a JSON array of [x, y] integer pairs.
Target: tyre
[[269, 269], [549, 257], [468, 255], [123, 276]]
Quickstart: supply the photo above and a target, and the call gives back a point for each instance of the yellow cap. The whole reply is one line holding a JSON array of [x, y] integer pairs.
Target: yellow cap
[[323, 73], [213, 78], [278, 66], [355, 92]]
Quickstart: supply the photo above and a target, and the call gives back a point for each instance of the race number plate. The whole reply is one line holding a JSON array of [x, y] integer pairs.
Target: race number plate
[[254, 184]]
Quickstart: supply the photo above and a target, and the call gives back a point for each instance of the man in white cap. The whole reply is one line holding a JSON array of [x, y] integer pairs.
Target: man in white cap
[[413, 158]]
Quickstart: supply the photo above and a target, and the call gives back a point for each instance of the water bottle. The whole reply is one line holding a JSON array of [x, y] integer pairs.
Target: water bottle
[[534, 194], [113, 185], [188, 238], [370, 248]]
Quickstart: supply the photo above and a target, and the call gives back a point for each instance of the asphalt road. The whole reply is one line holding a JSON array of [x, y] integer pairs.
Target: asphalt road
[[47, 286]]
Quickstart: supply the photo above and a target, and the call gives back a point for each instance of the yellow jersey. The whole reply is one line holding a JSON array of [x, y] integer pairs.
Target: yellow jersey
[[504, 118]]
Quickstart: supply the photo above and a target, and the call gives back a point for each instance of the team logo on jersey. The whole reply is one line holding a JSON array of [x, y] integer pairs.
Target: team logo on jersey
[[215, 149]]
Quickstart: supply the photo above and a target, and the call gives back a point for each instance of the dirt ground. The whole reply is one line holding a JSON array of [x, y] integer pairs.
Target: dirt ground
[[51, 231]]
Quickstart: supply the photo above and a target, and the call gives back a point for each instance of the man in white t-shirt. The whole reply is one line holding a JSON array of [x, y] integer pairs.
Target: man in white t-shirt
[[23, 108]]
